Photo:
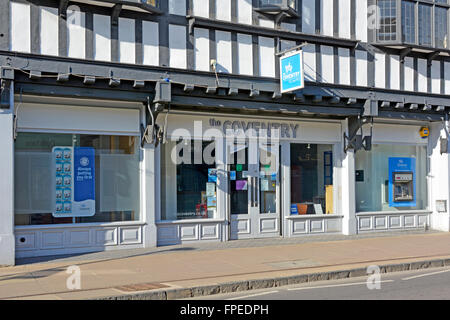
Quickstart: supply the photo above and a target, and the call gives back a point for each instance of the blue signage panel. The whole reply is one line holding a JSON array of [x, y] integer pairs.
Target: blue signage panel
[[291, 72], [74, 174], [402, 182]]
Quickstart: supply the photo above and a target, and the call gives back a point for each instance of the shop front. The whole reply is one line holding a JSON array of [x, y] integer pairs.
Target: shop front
[[226, 177], [391, 181], [77, 176]]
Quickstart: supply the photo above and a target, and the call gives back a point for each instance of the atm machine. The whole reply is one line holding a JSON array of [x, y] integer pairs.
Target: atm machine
[[402, 182]]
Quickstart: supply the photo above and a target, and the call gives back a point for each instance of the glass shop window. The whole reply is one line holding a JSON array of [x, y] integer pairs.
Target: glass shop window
[[188, 180], [391, 178], [46, 191], [311, 179]]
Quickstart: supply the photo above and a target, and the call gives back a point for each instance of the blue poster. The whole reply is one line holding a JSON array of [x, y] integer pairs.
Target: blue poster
[[74, 181], [402, 182], [291, 72]]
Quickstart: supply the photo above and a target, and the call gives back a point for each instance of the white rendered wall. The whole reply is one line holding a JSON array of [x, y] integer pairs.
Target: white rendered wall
[[223, 54], [344, 19], [422, 75], [447, 77], [344, 66], [200, 8], [326, 18], [20, 27], [49, 30], [438, 182], [223, 10], [409, 74], [7, 242], [201, 49], [244, 11], [436, 77], [361, 68], [361, 20], [327, 64], [309, 62], [177, 46], [266, 57], [102, 37], [76, 34], [395, 72], [127, 41], [245, 54], [150, 43], [380, 70], [346, 192], [309, 16], [177, 7]]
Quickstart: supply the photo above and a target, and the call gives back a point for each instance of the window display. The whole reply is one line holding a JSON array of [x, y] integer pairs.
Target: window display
[[391, 178], [73, 178], [311, 179], [189, 181]]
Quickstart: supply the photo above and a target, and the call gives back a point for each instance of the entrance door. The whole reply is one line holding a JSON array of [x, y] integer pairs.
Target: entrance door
[[254, 191]]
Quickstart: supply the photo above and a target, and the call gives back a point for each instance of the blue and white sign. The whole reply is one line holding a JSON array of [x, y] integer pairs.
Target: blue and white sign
[[74, 181], [402, 182], [291, 72]]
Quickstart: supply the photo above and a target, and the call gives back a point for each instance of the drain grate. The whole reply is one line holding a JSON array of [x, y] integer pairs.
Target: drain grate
[[141, 287]]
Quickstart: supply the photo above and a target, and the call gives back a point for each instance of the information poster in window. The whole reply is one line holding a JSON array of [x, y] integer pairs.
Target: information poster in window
[[74, 177], [210, 189]]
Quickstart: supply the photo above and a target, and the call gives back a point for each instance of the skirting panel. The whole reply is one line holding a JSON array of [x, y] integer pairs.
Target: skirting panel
[[392, 221], [177, 233], [313, 225], [51, 240]]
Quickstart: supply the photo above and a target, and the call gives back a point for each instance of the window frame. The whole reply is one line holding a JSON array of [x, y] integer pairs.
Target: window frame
[[399, 23]]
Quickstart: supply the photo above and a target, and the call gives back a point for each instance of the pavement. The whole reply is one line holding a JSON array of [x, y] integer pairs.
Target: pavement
[[183, 271]]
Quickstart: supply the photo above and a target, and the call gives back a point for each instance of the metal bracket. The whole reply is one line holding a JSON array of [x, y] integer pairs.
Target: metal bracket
[[354, 140]]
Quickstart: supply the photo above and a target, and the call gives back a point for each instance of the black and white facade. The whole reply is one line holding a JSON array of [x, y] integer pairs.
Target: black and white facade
[[132, 79]]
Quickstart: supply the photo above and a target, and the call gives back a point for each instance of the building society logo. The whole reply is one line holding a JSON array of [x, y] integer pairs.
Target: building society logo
[[288, 68], [84, 161]]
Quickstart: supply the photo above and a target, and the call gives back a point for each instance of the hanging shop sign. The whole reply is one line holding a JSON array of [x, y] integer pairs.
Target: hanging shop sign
[[291, 72], [74, 181], [402, 182]]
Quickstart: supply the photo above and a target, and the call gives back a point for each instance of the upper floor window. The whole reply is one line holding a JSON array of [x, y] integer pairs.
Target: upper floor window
[[418, 22]]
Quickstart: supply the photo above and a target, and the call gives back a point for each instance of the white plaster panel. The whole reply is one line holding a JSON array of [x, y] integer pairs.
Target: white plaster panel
[[209, 231], [326, 17], [49, 27], [316, 226], [130, 235], [76, 34], [309, 16], [333, 225], [79, 237], [380, 222], [447, 77], [25, 240], [395, 72], [365, 223], [266, 23], [436, 77], [189, 232], [177, 46], [200, 8], [344, 66], [380, 70], [392, 132], [177, 7], [299, 226], [409, 74], [127, 41], [394, 222], [52, 239], [223, 10], [409, 221], [288, 26], [224, 56], [327, 64], [245, 11], [309, 62], [361, 20], [201, 47], [344, 18], [268, 225], [266, 57], [422, 75], [20, 39], [245, 54], [102, 37], [361, 68], [105, 236], [150, 43]]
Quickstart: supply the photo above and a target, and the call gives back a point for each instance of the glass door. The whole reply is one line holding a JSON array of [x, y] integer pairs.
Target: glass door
[[254, 191]]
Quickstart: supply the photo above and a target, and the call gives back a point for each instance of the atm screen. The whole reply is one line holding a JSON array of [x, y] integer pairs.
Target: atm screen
[[403, 189]]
